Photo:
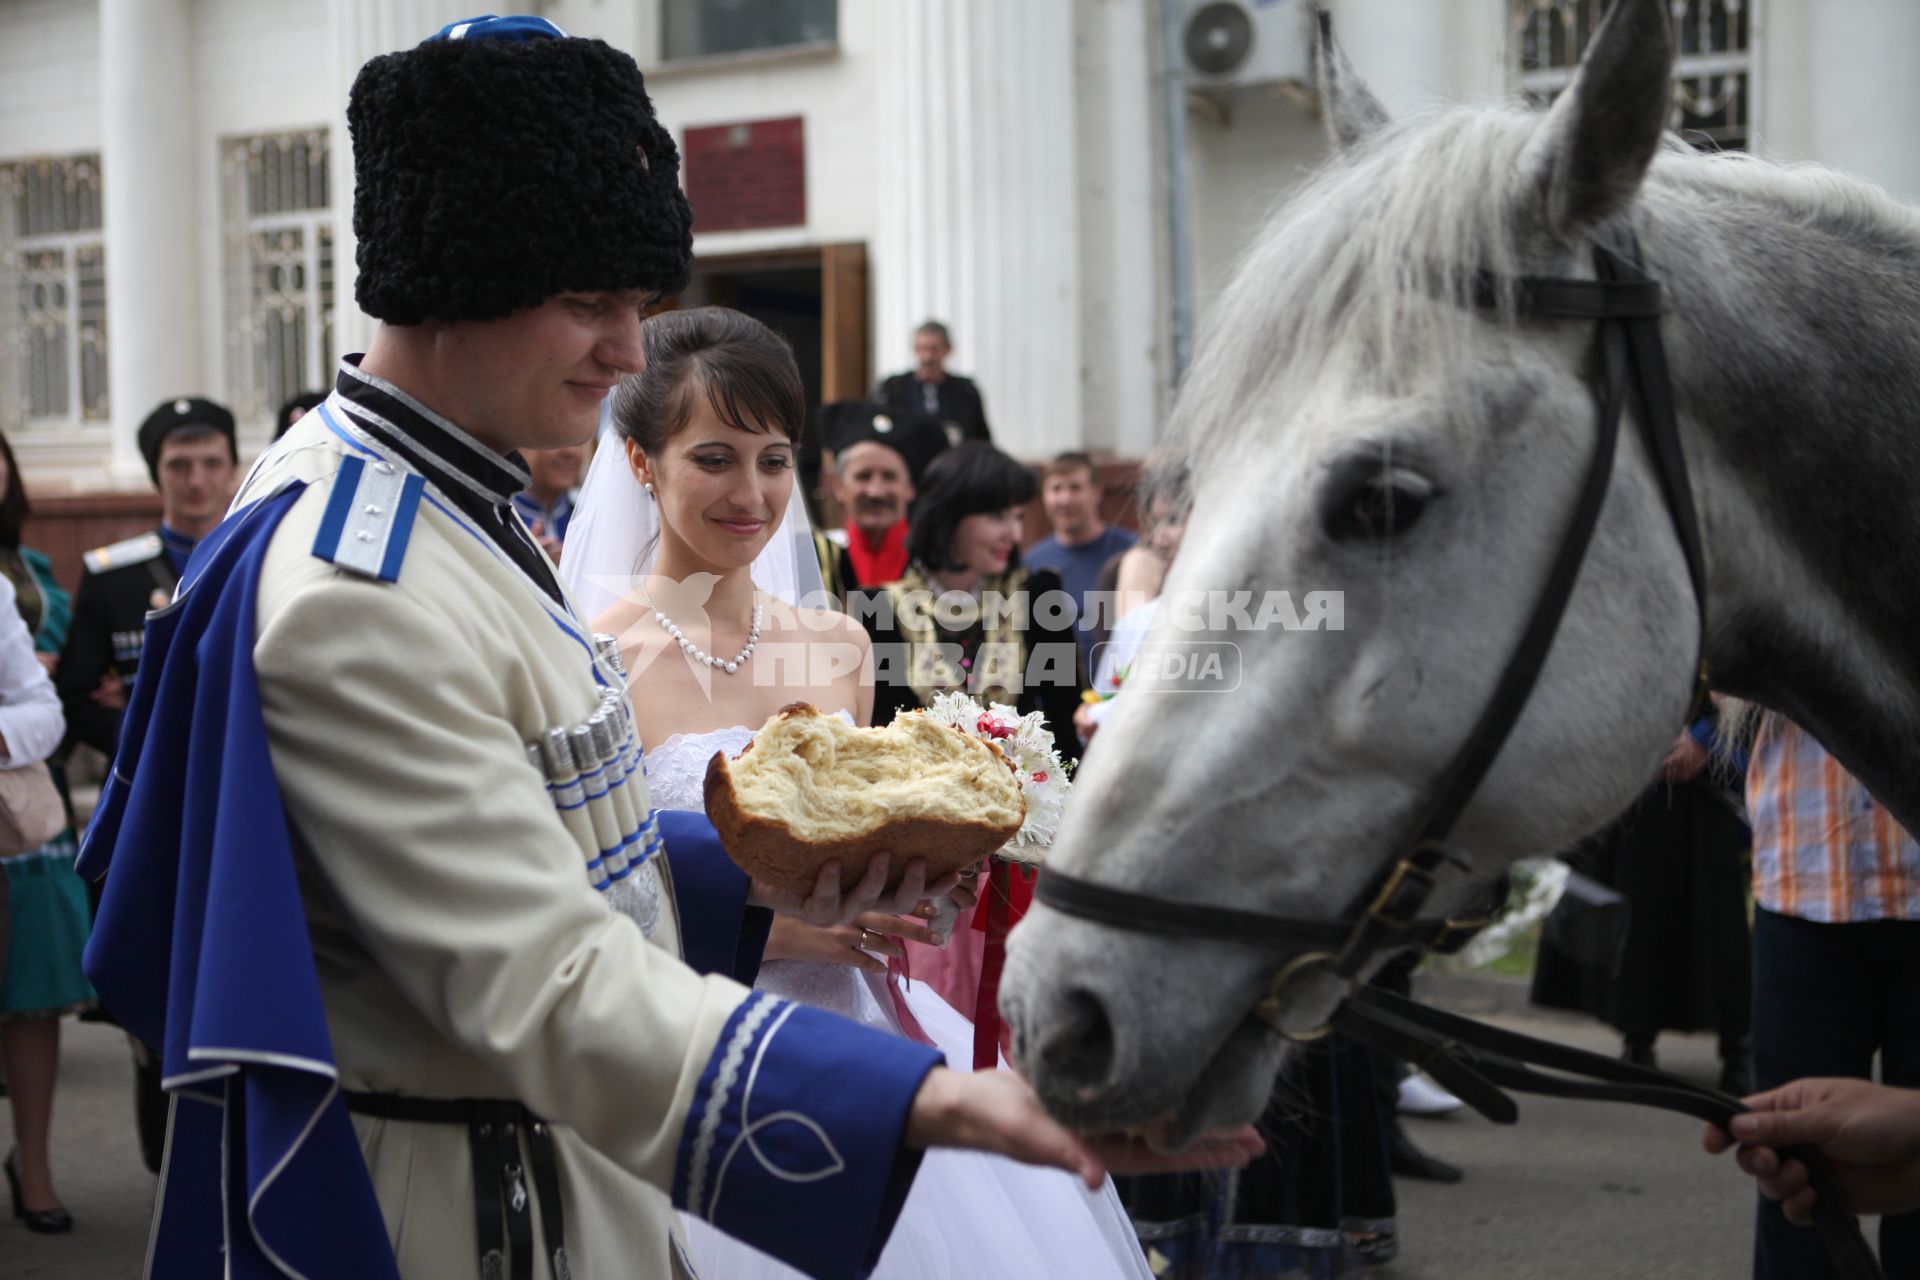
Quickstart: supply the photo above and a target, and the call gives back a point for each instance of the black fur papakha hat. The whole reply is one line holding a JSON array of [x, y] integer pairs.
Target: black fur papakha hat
[[846, 423], [175, 415], [502, 162]]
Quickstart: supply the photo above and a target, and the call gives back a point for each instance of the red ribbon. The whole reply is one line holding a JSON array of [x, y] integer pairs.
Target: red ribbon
[[1008, 897], [900, 972]]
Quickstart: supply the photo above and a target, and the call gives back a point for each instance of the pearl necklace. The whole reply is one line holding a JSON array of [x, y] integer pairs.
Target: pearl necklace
[[694, 651]]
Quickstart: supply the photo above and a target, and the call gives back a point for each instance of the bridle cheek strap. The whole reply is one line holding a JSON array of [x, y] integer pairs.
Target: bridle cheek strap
[[1626, 305]]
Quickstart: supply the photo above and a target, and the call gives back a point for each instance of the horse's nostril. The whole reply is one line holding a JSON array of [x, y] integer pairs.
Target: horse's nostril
[[1078, 1048]]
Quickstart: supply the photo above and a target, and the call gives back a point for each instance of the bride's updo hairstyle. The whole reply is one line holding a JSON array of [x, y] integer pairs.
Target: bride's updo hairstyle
[[744, 369]]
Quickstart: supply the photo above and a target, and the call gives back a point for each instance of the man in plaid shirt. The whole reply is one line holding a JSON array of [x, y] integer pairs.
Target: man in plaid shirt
[[1836, 954]]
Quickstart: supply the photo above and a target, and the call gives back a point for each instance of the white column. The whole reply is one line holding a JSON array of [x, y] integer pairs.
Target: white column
[[1402, 49], [1123, 314], [979, 206], [1480, 59], [360, 30], [1864, 93], [153, 269]]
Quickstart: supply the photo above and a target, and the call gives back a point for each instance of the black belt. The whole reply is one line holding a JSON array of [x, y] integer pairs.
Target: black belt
[[500, 1216], [1476, 1062]]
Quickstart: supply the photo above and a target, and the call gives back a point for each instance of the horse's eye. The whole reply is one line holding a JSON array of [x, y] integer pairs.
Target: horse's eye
[[1365, 501]]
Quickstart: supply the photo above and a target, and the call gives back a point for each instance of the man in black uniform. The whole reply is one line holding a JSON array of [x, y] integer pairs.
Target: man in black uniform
[[928, 390], [189, 447]]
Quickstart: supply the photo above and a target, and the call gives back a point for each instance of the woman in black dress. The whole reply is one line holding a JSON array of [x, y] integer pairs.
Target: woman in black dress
[[966, 615]]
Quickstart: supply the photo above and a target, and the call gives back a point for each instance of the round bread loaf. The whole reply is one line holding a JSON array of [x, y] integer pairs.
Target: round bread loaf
[[810, 788]]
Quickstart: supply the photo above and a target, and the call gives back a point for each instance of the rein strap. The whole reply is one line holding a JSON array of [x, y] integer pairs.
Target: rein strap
[[1476, 1062]]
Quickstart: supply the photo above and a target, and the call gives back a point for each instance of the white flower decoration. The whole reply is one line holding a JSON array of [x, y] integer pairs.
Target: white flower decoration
[[1028, 744]]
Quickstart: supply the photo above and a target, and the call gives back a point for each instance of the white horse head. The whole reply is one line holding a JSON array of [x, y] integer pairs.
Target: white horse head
[[1353, 423]]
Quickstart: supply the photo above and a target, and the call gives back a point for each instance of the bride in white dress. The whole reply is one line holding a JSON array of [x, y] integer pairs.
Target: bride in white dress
[[691, 544]]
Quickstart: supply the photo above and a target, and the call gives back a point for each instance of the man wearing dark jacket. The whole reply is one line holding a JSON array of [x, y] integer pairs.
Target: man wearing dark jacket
[[929, 391], [189, 447]]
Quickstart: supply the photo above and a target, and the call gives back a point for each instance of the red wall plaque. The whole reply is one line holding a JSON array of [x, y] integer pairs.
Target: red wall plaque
[[747, 175]]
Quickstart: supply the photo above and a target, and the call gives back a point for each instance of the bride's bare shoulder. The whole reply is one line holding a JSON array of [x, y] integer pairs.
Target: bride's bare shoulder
[[624, 619], [806, 621]]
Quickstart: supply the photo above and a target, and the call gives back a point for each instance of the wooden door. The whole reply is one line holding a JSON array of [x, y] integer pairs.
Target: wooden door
[[845, 372]]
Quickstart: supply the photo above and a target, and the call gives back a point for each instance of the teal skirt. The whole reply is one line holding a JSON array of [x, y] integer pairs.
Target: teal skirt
[[49, 918]]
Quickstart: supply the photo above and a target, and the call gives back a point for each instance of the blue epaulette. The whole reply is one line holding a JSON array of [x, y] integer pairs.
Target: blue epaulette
[[369, 518]]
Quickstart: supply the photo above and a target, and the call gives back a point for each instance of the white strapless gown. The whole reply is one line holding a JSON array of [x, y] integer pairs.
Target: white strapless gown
[[968, 1214]]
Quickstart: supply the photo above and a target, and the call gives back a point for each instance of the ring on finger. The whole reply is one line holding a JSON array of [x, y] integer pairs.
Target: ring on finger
[[866, 934]]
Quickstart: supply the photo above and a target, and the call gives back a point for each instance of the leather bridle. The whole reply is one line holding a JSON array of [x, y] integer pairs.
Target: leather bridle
[[1471, 1059]]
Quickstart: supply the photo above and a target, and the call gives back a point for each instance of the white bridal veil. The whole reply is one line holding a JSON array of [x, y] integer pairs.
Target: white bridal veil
[[614, 539]]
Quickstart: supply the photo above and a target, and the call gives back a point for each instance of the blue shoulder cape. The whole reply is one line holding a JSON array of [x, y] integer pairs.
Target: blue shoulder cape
[[200, 947]]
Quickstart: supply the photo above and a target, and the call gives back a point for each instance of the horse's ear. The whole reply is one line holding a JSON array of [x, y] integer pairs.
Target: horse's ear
[[1351, 110], [1604, 130]]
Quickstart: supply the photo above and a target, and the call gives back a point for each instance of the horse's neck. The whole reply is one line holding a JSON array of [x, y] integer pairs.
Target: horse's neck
[[1797, 364]]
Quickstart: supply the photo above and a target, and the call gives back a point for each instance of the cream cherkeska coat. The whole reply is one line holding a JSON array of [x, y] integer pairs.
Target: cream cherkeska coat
[[461, 950]]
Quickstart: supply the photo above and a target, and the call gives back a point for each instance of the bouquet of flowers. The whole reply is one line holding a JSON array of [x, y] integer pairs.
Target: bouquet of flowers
[[1027, 744]]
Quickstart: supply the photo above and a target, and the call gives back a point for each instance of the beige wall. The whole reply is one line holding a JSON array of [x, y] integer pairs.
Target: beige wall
[[49, 77], [1002, 162]]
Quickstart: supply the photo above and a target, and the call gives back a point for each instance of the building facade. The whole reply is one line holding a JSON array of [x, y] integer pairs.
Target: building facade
[[1057, 180]]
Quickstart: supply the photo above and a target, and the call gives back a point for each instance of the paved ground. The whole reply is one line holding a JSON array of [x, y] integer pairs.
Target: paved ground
[[96, 1167], [1576, 1190]]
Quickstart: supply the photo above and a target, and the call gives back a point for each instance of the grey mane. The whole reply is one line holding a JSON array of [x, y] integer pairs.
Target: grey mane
[[1793, 294], [1358, 282], [1335, 291]]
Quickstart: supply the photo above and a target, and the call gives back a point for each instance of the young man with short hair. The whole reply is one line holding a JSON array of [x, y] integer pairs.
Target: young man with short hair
[[1081, 542], [188, 444]]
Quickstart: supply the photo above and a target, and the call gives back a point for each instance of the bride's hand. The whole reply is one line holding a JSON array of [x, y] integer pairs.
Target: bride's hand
[[966, 887], [827, 905], [849, 944]]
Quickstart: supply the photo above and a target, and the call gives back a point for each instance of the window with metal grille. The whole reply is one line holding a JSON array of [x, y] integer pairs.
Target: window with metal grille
[[277, 212], [53, 294], [1712, 78], [702, 28]]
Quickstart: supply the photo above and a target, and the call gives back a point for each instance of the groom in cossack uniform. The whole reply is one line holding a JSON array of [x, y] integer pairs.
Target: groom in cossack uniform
[[438, 994], [421, 1001]]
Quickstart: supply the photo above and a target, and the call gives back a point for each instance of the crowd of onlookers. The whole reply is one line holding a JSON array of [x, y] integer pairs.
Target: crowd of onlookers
[[1755, 890]]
